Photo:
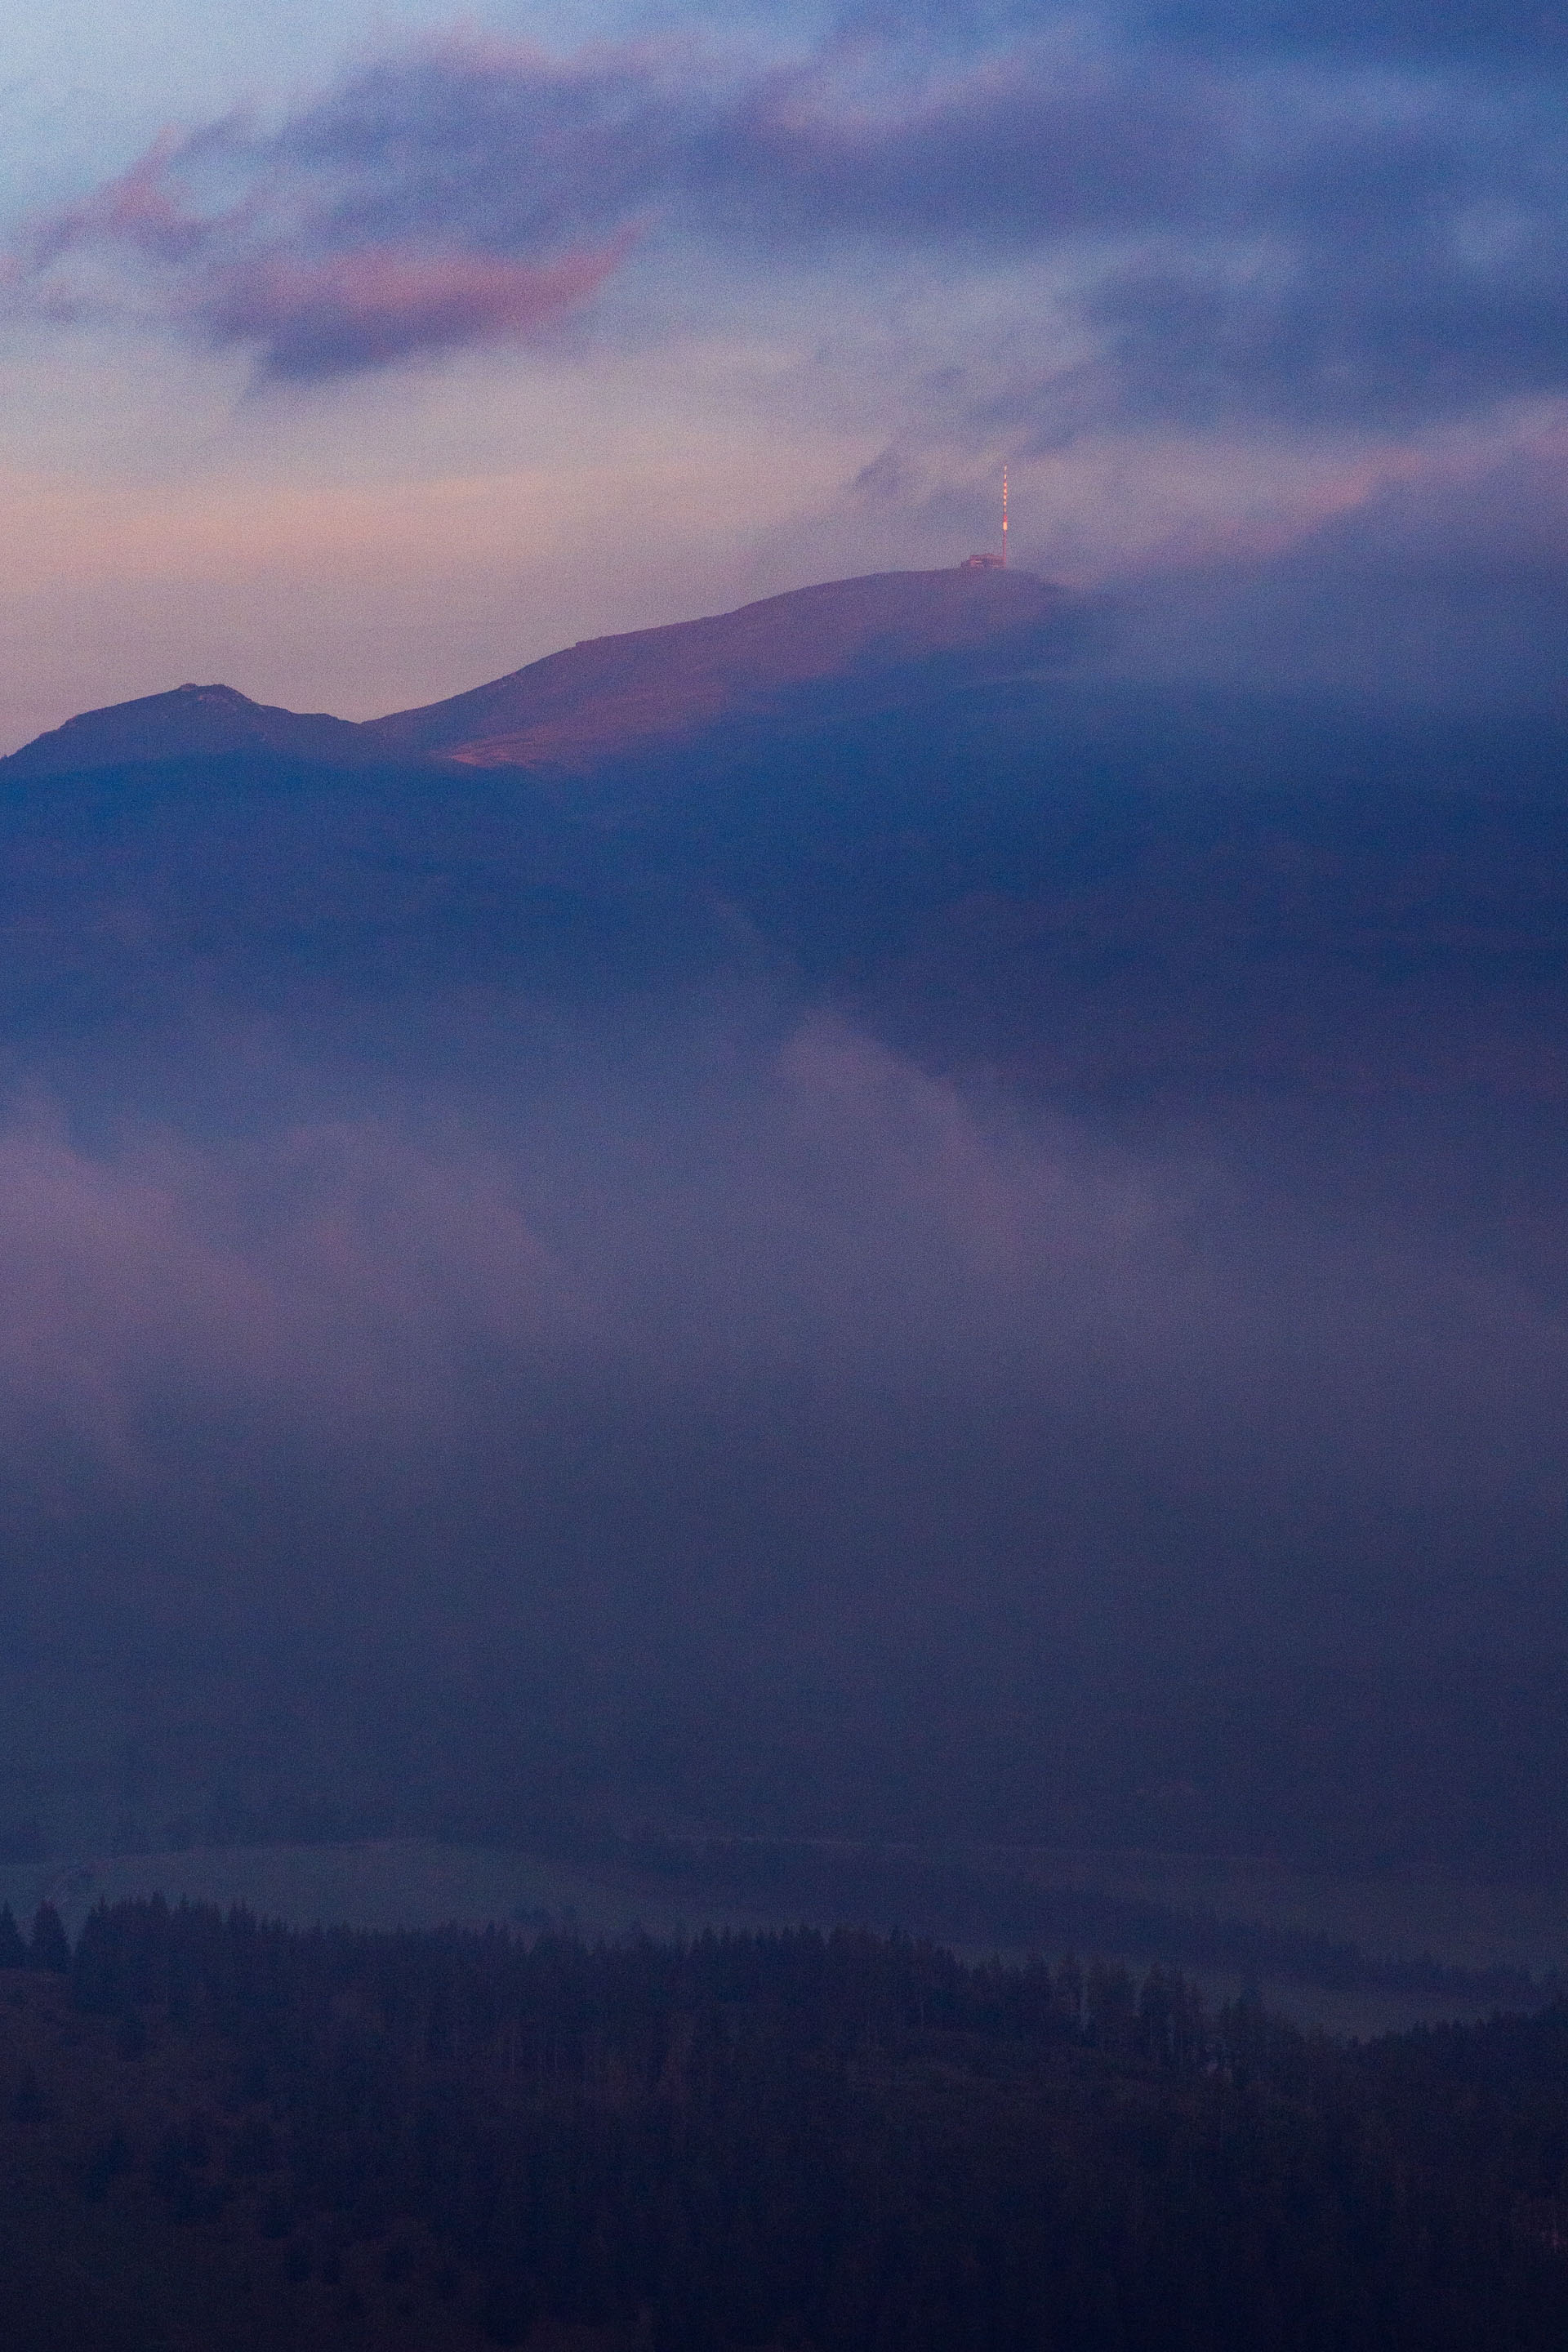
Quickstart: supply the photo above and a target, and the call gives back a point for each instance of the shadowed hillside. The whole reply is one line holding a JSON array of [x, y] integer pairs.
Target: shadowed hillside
[[188, 722]]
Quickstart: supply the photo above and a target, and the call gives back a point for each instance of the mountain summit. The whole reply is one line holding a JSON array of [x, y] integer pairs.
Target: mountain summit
[[188, 722], [608, 696]]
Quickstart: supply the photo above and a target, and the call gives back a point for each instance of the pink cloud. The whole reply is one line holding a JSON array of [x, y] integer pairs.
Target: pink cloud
[[842, 1210], [1232, 241], [339, 1266], [253, 274], [141, 210], [349, 311]]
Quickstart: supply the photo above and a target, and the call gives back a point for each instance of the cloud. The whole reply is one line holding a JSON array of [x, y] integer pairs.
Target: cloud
[[309, 305], [329, 316], [832, 1213], [339, 1266], [1447, 583], [618, 1405], [1495, 31], [1306, 236]]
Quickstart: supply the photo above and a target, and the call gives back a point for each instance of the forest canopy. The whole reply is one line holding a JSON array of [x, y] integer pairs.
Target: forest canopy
[[207, 2122]]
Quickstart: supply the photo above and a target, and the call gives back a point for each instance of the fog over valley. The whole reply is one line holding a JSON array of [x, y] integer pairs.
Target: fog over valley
[[1019, 1297]]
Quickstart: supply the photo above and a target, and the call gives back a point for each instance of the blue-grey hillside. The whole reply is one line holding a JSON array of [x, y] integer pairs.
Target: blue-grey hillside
[[186, 723]]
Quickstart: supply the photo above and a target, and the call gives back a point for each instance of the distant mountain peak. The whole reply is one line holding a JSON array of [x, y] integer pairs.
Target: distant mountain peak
[[184, 722], [607, 697]]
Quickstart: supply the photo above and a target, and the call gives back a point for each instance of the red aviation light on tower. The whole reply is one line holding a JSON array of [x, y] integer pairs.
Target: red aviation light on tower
[[991, 561]]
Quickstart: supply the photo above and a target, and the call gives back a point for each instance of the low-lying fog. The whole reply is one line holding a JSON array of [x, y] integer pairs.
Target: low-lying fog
[[729, 1421]]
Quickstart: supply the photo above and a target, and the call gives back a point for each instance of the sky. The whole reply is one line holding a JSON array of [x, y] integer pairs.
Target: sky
[[352, 357]]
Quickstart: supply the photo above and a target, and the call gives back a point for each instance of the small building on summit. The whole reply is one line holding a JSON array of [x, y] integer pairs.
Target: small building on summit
[[982, 563]]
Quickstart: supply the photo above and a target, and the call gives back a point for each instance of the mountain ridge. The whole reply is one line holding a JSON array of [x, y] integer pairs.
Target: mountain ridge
[[602, 697], [184, 722]]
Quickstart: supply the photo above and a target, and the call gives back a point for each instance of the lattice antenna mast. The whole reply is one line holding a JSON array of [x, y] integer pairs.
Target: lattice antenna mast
[[1004, 518]]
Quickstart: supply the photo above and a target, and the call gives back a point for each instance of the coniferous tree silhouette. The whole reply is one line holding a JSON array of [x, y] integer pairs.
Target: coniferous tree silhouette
[[50, 1948], [13, 1951]]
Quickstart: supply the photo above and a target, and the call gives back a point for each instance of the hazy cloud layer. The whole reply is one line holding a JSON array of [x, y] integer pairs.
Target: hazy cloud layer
[[829, 1213], [1515, 31], [1318, 233], [1448, 585], [793, 1436], [337, 1265]]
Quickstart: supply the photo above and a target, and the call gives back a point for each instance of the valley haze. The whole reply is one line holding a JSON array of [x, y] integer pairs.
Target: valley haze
[[829, 1222]]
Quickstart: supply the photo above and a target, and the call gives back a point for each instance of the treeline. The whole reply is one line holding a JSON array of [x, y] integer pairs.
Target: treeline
[[48, 1947], [843, 2142], [956, 1901], [949, 1899]]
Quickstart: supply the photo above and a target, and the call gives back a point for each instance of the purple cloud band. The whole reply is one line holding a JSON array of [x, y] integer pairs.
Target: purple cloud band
[[1296, 234], [323, 315], [310, 302]]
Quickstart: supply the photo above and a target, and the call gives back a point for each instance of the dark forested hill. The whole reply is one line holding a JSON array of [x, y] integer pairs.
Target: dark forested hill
[[216, 2133]]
